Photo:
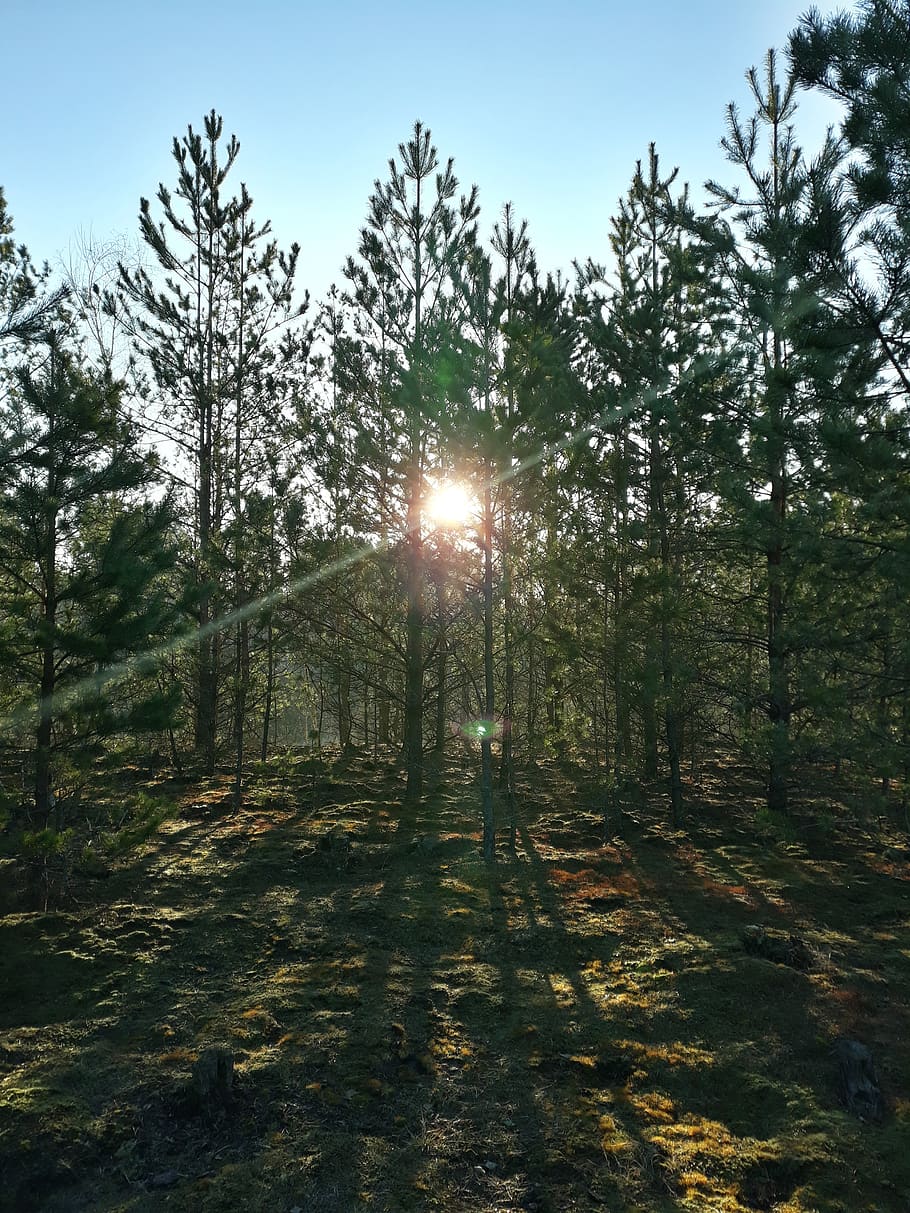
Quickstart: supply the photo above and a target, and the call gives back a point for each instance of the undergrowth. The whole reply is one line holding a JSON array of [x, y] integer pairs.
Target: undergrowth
[[578, 1027]]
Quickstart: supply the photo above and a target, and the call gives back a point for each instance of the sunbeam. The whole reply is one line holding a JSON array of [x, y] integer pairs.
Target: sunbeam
[[452, 499]]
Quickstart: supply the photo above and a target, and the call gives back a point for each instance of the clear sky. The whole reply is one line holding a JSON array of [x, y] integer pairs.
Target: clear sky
[[546, 104]]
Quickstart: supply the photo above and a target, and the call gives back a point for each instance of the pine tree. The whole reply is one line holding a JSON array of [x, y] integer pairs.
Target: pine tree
[[512, 243], [214, 330], [484, 317], [265, 364], [546, 420], [83, 554], [861, 241], [644, 338], [24, 311], [415, 239], [800, 371]]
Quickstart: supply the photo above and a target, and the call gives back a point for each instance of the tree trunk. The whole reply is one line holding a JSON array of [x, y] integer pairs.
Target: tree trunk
[[175, 752], [884, 715], [269, 689], [43, 733], [668, 582], [533, 739], [778, 685], [241, 692], [383, 714], [206, 683], [622, 750], [552, 663], [441, 666], [413, 706], [242, 637], [507, 761], [650, 764], [486, 741], [48, 683], [905, 745], [345, 721]]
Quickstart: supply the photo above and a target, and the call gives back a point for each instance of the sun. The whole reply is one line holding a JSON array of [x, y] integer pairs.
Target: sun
[[450, 504]]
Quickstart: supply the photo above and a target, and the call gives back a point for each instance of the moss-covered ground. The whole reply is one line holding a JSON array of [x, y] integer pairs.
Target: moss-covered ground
[[578, 1027]]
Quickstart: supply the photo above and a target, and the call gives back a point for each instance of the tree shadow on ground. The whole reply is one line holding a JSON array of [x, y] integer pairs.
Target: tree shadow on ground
[[575, 1028]]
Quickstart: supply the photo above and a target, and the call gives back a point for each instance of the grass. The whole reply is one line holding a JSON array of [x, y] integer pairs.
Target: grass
[[578, 1028]]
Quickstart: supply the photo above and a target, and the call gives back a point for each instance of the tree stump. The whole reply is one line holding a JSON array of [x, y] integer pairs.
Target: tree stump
[[857, 1085], [782, 949], [336, 843], [213, 1080]]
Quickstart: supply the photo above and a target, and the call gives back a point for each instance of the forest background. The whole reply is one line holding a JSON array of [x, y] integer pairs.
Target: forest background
[[682, 466], [455, 743]]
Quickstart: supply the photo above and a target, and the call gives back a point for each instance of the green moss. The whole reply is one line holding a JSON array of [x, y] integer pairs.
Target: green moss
[[579, 1028]]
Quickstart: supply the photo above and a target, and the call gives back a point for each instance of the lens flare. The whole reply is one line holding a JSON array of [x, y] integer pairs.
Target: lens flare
[[481, 730], [450, 504], [111, 675]]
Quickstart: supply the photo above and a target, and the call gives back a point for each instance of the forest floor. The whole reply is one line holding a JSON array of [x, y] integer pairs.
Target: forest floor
[[578, 1027]]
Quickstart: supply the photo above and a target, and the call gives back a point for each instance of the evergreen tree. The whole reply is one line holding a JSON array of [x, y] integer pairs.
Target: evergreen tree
[[484, 316], [415, 239], [83, 553], [644, 337], [512, 244], [862, 60], [208, 328], [24, 310], [547, 408], [799, 371], [861, 230]]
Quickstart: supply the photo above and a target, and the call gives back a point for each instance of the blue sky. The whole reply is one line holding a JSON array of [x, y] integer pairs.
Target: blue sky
[[546, 104]]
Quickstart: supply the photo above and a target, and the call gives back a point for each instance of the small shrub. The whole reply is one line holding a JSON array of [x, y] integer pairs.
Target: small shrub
[[90, 863], [774, 826], [7, 809], [826, 823], [144, 821], [45, 844], [47, 859]]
